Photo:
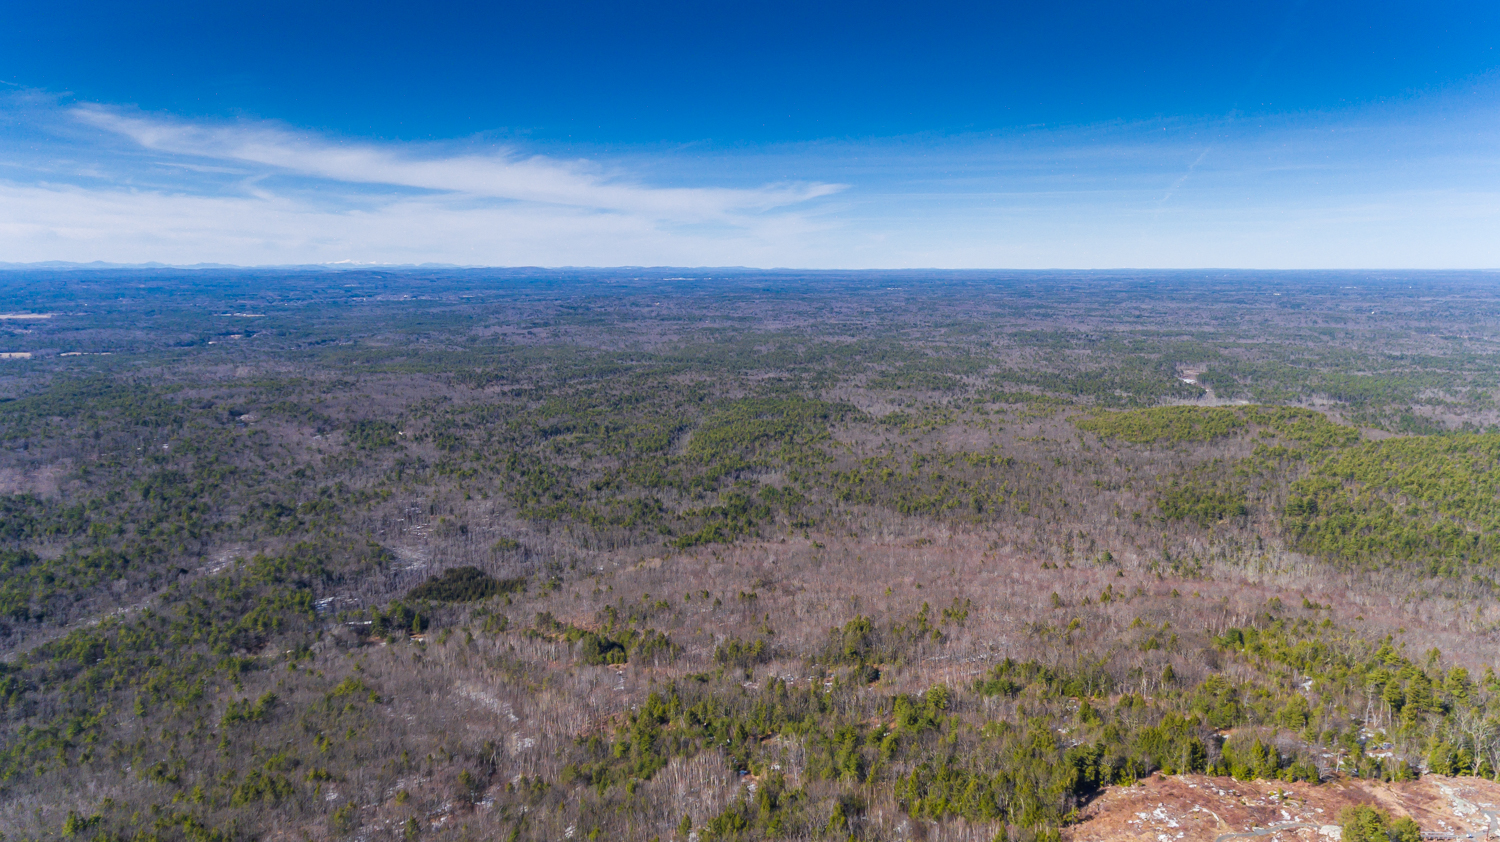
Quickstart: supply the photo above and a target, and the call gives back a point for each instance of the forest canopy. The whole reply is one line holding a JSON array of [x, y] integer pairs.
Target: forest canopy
[[540, 555]]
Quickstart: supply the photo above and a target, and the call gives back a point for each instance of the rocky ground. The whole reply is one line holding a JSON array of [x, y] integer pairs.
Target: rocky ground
[[1197, 807]]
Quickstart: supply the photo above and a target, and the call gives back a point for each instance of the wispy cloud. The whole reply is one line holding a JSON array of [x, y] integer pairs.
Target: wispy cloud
[[70, 222], [1400, 185], [499, 174]]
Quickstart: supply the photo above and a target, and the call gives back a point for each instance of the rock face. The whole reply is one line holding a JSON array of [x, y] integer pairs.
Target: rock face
[[1196, 807]]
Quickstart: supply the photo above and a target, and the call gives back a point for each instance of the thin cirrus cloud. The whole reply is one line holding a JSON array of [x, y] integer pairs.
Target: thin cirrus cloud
[[1408, 184], [503, 174], [80, 223]]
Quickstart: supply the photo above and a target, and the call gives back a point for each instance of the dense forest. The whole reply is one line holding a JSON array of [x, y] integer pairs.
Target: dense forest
[[549, 555]]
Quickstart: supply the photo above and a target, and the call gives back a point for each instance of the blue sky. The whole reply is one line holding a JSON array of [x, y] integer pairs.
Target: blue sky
[[1277, 135]]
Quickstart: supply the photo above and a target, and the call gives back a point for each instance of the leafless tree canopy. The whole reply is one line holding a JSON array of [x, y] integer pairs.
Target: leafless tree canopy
[[745, 555]]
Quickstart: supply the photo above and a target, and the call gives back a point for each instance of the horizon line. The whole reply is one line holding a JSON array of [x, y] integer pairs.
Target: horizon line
[[347, 265]]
